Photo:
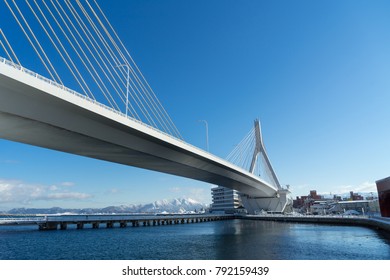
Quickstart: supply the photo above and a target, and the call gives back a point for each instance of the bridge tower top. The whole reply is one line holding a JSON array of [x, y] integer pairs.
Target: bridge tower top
[[260, 150], [250, 154]]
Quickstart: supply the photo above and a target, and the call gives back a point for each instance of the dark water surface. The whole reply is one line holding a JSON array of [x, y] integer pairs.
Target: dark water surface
[[234, 239]]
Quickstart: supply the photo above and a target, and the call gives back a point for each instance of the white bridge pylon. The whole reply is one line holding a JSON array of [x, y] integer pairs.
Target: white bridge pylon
[[250, 154]]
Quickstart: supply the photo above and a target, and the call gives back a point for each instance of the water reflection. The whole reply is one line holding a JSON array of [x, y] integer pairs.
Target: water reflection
[[276, 240]]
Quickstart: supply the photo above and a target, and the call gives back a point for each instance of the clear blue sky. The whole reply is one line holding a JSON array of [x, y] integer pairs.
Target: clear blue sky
[[316, 73]]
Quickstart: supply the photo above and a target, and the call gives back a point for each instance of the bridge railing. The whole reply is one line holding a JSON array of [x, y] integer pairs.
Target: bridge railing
[[16, 220], [61, 86]]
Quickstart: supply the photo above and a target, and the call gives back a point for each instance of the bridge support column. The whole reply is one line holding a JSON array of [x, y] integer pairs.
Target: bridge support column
[[123, 224], [95, 225], [48, 226], [280, 204], [110, 224], [63, 226], [80, 225]]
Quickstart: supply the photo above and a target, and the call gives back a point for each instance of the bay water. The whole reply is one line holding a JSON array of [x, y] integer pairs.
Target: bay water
[[220, 240]]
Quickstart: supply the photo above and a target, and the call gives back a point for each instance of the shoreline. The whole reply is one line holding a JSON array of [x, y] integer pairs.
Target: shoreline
[[46, 222], [372, 222]]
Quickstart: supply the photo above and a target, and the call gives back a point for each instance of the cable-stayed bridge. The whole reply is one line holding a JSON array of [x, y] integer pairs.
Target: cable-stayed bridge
[[113, 114]]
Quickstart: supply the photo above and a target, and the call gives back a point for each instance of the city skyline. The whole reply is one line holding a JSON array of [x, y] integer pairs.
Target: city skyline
[[315, 74]]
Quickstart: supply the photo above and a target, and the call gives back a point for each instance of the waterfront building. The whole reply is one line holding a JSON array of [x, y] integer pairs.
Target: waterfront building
[[299, 201], [320, 207], [360, 206], [354, 196], [306, 200], [383, 187], [313, 195], [305, 203], [316, 204], [225, 200]]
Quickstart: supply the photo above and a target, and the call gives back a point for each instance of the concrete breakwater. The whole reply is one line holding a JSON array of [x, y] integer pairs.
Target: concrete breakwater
[[109, 221], [373, 222]]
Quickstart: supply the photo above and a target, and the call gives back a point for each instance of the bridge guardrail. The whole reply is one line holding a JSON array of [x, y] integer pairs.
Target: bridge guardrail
[[95, 102], [51, 82], [15, 220]]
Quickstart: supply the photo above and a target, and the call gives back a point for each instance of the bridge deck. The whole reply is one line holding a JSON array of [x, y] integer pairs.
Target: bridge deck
[[37, 111]]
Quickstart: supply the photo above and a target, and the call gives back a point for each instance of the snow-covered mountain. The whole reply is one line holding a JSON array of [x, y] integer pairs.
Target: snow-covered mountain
[[182, 205], [177, 205]]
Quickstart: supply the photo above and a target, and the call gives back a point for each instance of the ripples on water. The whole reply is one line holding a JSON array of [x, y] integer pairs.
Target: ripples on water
[[237, 239]]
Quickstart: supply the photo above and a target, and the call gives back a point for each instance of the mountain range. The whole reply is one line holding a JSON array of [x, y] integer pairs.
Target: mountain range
[[177, 205]]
